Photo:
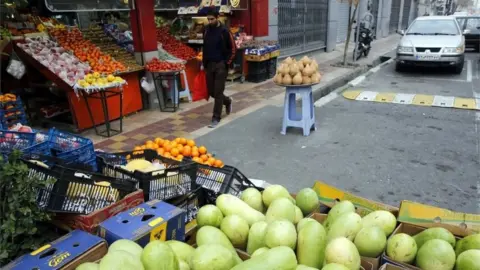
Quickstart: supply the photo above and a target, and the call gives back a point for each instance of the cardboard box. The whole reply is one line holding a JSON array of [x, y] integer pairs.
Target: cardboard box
[[460, 224], [153, 220], [388, 266], [374, 262], [417, 217], [65, 253], [329, 196], [90, 222]]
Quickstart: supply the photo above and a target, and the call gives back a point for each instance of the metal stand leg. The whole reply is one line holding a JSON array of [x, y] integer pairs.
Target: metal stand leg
[[85, 97], [103, 97]]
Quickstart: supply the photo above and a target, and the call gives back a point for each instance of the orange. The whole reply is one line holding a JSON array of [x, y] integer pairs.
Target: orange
[[202, 150], [167, 147], [209, 155], [195, 154], [204, 157], [194, 149], [167, 155], [143, 147], [174, 152], [154, 146], [197, 159], [137, 148], [209, 163], [177, 140], [211, 160], [166, 141], [183, 141], [180, 157], [187, 151], [191, 143], [160, 151], [218, 163], [174, 144], [148, 142], [180, 147], [158, 140]]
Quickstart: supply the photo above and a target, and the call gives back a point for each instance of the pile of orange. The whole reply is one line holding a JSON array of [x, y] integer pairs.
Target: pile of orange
[[179, 148]]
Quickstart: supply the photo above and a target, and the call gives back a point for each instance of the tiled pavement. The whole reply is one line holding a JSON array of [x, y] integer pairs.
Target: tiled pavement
[[191, 122], [182, 124]]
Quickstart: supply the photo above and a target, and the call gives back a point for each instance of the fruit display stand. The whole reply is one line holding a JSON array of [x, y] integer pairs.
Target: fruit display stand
[[77, 106], [104, 93], [168, 71], [180, 51]]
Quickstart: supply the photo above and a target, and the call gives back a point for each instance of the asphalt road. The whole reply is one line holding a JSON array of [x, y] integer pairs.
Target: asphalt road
[[382, 151]]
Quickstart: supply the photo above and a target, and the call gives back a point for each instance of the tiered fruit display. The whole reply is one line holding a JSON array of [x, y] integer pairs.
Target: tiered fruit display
[[180, 148], [109, 46], [87, 51], [156, 65], [97, 80], [66, 66], [302, 72], [173, 46]]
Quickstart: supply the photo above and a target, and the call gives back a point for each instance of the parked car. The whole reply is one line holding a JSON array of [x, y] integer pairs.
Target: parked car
[[432, 41], [471, 27]]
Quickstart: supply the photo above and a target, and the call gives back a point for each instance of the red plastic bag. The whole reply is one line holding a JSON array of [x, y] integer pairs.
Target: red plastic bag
[[199, 90]]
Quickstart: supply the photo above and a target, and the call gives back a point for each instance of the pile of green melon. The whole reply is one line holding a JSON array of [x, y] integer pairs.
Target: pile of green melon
[[436, 249], [272, 227]]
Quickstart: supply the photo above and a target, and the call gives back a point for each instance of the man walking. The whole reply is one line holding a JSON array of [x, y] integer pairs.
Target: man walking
[[218, 53]]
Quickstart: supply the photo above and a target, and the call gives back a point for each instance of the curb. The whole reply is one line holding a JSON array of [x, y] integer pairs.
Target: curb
[[351, 79]]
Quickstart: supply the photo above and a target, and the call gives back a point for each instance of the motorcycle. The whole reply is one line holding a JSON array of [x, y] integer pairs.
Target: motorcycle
[[364, 42]]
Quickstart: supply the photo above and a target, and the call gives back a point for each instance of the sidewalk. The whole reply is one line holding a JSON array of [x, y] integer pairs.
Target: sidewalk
[[191, 120]]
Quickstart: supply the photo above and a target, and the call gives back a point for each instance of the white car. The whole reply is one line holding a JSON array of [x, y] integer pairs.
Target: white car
[[432, 41]]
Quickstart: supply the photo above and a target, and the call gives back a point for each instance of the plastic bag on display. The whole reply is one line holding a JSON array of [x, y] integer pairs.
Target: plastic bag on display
[[147, 83], [16, 69], [199, 90]]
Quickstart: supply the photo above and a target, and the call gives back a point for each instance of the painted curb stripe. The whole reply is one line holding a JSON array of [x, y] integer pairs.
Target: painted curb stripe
[[423, 100], [385, 97], [351, 94], [414, 99]]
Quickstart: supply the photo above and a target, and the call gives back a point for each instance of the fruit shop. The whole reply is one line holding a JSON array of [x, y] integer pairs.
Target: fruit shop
[[78, 66], [174, 205]]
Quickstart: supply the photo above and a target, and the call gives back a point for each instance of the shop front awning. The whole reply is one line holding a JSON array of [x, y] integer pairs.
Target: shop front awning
[[86, 5]]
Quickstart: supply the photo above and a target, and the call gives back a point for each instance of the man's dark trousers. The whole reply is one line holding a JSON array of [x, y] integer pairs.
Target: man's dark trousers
[[216, 75]]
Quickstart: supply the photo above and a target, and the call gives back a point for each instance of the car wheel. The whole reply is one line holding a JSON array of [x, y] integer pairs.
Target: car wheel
[[458, 68], [399, 67]]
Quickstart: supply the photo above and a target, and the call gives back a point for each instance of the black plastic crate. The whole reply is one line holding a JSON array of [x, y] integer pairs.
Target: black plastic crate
[[256, 78], [52, 161], [272, 67], [257, 67], [75, 191], [225, 180], [193, 201], [177, 179]]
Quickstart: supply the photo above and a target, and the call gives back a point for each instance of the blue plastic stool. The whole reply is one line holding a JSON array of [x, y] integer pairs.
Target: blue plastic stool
[[305, 119]]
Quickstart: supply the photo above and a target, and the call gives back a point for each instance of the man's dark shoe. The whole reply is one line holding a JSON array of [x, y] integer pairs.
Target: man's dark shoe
[[213, 124], [228, 108]]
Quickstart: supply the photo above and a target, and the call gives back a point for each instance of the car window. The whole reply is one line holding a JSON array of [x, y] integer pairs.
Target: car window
[[433, 27], [473, 24], [461, 22]]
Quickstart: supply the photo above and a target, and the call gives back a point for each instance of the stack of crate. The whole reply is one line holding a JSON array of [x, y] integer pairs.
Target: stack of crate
[[11, 111]]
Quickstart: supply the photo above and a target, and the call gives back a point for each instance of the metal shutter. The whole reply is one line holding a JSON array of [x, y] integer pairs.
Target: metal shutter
[[342, 22], [302, 25], [406, 13], [375, 12], [395, 15]]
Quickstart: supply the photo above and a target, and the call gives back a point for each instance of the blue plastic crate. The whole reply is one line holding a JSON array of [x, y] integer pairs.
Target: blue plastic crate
[[12, 140], [71, 147]]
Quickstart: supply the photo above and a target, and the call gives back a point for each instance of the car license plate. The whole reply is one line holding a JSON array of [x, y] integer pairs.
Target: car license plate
[[428, 57]]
